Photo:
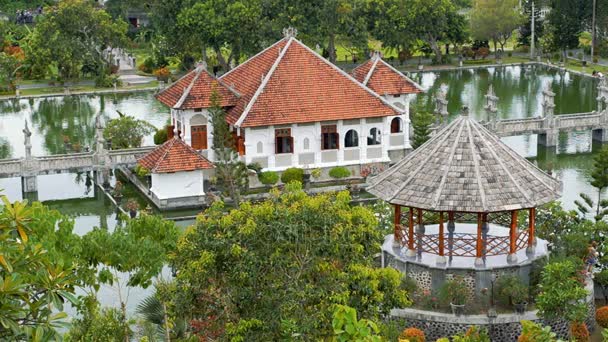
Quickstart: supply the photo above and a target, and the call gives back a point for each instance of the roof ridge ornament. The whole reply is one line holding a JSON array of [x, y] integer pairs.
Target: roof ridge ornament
[[376, 55], [290, 32], [465, 111], [201, 66]]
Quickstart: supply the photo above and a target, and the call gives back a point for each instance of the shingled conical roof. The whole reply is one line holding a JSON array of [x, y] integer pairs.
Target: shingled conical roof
[[465, 168]]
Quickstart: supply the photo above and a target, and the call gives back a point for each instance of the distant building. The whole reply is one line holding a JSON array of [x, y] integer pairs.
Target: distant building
[[290, 107]]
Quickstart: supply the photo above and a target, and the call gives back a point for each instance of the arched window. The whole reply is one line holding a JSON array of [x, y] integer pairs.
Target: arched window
[[374, 137], [306, 143], [260, 147], [351, 139], [396, 125]]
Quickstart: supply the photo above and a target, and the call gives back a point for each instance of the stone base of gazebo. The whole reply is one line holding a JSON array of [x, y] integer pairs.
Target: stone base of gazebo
[[430, 270]]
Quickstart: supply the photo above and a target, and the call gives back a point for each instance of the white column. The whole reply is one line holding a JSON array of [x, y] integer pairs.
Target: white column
[[363, 140], [273, 149], [340, 143], [296, 143], [316, 143], [406, 122], [386, 136]]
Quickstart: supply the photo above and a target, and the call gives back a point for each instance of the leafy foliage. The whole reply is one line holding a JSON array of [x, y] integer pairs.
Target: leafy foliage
[[269, 177], [454, 291], [533, 332], [348, 328], [127, 132], [601, 316], [562, 292], [473, 334], [73, 34], [286, 263], [421, 122], [38, 275], [495, 20], [97, 324], [413, 335], [231, 173], [292, 174], [339, 172]]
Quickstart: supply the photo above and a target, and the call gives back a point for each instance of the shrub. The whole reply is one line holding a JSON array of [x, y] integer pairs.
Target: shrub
[[162, 74], [473, 334], [511, 290], [570, 54], [510, 54], [268, 177], [579, 56], [255, 167], [293, 174], [148, 65], [454, 291], [533, 332], [579, 332], [601, 316], [141, 171], [483, 52], [412, 335], [161, 136], [316, 173], [339, 172], [595, 60]]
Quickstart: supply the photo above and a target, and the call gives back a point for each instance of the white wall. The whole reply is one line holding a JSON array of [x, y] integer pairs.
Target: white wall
[[178, 184], [266, 136], [401, 102], [185, 117]]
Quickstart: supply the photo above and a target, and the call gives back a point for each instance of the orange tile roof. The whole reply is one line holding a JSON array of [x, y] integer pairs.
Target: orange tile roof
[[290, 83], [174, 156], [382, 78], [247, 77], [194, 91]]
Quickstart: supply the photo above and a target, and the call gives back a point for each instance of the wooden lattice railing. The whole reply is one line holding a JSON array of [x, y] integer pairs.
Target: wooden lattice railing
[[462, 244]]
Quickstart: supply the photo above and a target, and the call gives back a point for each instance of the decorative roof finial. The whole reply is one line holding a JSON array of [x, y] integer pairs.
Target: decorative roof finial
[[376, 55], [290, 32], [465, 111], [201, 66]]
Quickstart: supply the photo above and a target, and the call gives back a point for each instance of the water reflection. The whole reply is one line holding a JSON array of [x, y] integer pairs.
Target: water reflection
[[66, 124]]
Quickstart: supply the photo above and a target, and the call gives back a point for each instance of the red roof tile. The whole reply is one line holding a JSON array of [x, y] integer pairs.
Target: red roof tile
[[384, 79], [174, 156], [198, 85], [299, 86], [247, 77]]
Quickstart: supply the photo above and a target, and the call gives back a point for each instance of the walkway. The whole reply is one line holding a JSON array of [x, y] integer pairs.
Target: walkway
[[127, 67]]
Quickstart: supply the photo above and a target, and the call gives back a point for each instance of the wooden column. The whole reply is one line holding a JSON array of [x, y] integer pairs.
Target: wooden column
[[410, 232], [397, 222], [513, 233], [441, 238], [479, 253], [531, 227]]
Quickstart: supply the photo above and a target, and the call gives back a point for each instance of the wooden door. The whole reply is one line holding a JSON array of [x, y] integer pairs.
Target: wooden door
[[199, 137]]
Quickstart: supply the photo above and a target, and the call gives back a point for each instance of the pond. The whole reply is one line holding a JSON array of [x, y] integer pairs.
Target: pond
[[57, 120]]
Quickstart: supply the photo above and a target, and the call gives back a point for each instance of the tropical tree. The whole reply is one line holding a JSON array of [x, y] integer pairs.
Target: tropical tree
[[139, 248], [430, 21], [495, 20], [275, 270], [566, 20], [74, 34], [231, 173], [38, 274], [127, 132], [421, 122], [599, 176]]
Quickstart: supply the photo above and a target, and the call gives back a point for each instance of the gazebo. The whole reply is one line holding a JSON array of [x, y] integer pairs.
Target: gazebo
[[468, 181]]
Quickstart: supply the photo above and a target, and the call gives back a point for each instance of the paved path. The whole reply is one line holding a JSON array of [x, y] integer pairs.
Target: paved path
[[127, 68]]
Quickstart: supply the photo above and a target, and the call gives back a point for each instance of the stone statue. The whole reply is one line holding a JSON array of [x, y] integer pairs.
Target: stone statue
[[28, 143]]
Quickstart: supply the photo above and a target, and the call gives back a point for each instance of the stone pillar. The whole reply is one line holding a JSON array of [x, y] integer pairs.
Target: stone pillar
[[602, 94], [548, 102], [549, 138], [600, 134], [491, 106], [441, 108], [29, 181]]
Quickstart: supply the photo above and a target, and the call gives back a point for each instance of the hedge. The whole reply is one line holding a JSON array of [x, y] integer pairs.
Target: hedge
[[268, 177], [339, 172], [292, 174]]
